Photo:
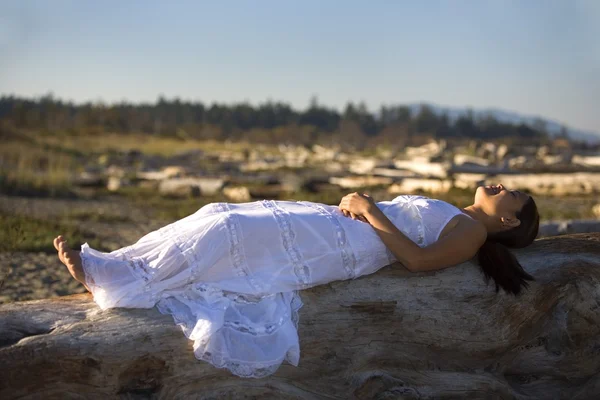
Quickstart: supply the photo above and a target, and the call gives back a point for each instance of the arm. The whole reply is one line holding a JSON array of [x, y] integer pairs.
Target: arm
[[460, 245]]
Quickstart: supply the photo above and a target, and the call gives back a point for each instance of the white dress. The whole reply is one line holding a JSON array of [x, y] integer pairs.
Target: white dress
[[229, 274]]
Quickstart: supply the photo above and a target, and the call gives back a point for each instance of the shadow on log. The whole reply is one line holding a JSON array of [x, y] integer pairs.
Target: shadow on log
[[390, 335]]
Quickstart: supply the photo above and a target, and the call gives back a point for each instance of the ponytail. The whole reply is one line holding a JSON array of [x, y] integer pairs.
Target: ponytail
[[497, 262]]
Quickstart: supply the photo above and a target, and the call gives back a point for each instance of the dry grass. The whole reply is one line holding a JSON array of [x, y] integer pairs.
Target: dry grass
[[24, 233], [43, 165], [152, 145], [31, 169], [39, 165]]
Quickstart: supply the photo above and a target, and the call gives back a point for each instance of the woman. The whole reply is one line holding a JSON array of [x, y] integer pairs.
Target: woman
[[229, 274]]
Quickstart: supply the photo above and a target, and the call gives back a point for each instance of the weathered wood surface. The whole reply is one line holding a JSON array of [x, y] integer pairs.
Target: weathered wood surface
[[389, 335]]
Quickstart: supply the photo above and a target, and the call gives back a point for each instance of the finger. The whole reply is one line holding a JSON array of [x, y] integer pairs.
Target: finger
[[353, 215]]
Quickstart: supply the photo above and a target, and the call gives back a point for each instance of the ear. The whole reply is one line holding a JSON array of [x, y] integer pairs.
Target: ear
[[510, 222]]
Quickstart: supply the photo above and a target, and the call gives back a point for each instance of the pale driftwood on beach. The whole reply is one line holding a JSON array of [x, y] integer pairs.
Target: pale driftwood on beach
[[392, 334]]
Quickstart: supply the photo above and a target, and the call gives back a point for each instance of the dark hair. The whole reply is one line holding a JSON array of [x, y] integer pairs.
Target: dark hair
[[497, 262]]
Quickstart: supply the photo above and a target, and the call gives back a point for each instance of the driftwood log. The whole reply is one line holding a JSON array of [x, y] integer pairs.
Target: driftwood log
[[389, 335]]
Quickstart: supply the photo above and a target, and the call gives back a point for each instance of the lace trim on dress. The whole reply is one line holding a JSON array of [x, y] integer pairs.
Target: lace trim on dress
[[190, 255], [420, 227], [89, 268], [137, 265], [253, 369], [348, 257], [235, 247], [140, 269], [241, 368], [288, 236]]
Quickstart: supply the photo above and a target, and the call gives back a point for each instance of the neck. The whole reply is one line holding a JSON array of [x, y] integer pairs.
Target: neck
[[477, 213]]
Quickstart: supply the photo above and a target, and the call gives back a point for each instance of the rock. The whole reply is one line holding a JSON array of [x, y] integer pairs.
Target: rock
[[393, 172], [467, 181], [588, 161], [262, 165], [391, 334], [423, 166], [90, 179], [430, 149], [334, 167], [294, 156], [487, 151], [519, 162], [367, 166], [558, 159], [412, 185], [232, 156], [238, 194], [501, 152], [351, 182], [362, 166], [116, 183], [322, 153], [292, 182], [460, 159], [171, 171], [554, 183], [555, 228], [115, 170], [174, 171], [596, 210], [184, 187]]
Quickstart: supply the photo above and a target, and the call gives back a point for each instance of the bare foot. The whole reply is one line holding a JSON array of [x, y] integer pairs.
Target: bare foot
[[71, 259]]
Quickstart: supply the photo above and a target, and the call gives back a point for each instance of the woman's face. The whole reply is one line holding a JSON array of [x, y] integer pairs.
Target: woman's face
[[501, 203]]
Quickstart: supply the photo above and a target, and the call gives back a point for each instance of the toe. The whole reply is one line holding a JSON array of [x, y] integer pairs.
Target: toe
[[62, 248]]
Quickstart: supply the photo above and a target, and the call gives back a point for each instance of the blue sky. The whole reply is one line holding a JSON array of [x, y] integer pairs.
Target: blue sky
[[539, 57]]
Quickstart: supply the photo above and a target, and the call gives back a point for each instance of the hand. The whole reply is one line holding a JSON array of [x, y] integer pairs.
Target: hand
[[356, 205], [354, 216]]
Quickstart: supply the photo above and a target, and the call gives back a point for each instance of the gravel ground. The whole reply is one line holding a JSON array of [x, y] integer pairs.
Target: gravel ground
[[38, 275]]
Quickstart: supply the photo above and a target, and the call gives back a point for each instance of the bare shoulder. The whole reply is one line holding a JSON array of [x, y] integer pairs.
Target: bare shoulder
[[464, 224], [460, 240]]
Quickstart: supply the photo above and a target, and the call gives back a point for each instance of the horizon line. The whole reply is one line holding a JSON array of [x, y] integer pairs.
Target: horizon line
[[465, 108]]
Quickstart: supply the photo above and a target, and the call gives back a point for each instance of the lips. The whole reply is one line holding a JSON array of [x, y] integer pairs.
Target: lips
[[493, 189]]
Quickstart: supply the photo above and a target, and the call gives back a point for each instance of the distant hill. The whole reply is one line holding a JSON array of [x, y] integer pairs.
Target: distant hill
[[553, 127]]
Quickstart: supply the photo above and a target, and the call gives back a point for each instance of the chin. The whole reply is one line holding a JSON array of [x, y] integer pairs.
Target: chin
[[480, 193]]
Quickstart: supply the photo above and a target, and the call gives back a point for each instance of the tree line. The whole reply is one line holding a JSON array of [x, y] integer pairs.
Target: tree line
[[267, 122]]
